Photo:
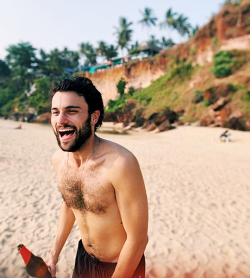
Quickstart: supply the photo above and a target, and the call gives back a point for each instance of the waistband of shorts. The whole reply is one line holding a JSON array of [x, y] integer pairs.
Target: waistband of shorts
[[94, 259]]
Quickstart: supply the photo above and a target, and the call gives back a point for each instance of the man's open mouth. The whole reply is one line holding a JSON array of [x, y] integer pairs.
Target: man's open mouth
[[66, 133]]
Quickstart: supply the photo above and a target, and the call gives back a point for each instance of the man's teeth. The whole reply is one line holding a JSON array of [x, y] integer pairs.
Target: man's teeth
[[63, 132]]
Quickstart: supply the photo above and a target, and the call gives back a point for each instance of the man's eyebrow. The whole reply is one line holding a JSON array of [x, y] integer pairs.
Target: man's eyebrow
[[73, 106], [68, 107]]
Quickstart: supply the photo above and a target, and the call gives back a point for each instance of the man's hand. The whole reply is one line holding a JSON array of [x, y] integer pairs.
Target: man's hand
[[51, 262]]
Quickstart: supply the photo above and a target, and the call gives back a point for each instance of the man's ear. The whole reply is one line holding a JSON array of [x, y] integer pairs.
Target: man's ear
[[95, 117]]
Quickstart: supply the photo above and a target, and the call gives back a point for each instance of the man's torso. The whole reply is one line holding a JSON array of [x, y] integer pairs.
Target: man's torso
[[91, 196]]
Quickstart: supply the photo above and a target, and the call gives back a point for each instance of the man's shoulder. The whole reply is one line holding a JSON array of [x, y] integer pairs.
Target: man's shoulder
[[57, 158], [119, 155], [58, 154], [112, 148], [123, 167]]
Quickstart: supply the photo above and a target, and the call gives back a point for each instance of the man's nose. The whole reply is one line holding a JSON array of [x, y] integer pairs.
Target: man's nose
[[62, 119]]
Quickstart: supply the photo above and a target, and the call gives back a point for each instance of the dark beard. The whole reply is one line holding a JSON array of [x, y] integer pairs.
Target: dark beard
[[82, 136]]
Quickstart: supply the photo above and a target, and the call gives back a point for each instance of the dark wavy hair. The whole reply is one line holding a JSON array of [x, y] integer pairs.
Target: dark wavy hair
[[83, 86]]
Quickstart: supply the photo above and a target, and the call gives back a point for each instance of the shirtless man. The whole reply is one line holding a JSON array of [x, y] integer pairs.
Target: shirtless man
[[102, 189]]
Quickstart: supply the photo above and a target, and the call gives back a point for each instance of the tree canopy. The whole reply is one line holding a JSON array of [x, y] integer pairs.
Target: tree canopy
[[25, 68], [88, 51], [4, 70], [21, 55]]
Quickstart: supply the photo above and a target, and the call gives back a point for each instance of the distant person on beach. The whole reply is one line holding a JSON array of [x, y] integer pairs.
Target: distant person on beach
[[101, 186], [225, 136]]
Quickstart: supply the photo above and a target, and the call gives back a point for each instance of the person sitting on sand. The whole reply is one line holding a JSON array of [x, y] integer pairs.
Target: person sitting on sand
[[225, 136], [18, 127], [102, 189]]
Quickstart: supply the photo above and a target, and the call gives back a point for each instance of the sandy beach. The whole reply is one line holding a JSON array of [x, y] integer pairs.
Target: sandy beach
[[198, 192]]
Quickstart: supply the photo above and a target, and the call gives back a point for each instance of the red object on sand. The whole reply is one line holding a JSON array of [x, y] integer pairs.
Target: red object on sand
[[35, 266]]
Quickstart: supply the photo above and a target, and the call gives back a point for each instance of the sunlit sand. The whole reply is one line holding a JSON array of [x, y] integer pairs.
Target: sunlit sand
[[198, 191]]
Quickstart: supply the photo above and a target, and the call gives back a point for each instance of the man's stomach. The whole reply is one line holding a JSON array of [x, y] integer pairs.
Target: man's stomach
[[103, 235]]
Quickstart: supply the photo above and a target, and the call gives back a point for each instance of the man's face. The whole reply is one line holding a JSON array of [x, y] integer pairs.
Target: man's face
[[70, 121]]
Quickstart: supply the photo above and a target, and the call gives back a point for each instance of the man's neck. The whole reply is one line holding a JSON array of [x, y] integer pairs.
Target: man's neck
[[80, 157]]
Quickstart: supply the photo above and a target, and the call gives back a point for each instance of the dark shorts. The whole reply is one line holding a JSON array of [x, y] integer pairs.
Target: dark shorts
[[87, 266]]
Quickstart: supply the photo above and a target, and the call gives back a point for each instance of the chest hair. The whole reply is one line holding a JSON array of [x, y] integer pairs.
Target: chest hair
[[83, 193]]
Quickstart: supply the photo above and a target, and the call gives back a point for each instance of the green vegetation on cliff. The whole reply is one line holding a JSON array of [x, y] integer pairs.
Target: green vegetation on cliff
[[193, 91], [166, 91], [226, 62], [212, 93]]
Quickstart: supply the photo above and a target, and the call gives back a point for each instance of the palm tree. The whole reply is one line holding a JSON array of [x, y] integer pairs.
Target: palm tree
[[147, 18], [194, 30], [231, 2], [21, 55], [134, 48], [167, 43], [42, 62], [110, 52], [124, 33], [169, 21], [182, 26], [101, 49], [89, 52], [4, 71], [70, 58], [153, 42], [55, 63]]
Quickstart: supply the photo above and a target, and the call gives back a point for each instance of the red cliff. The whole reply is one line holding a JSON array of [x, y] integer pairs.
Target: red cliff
[[228, 30]]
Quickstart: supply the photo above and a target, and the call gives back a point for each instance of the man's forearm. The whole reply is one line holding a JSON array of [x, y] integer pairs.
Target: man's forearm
[[129, 258], [65, 224]]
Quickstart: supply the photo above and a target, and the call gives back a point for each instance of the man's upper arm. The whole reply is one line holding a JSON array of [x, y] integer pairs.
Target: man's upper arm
[[131, 196], [56, 159]]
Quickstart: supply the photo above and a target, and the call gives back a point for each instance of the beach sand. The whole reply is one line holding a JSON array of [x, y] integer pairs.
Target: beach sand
[[198, 192]]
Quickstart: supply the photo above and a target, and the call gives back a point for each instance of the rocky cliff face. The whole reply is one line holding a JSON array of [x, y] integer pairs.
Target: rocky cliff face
[[228, 30], [137, 74]]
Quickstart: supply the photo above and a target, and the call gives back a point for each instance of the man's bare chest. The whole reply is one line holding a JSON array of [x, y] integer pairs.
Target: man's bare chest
[[87, 191]]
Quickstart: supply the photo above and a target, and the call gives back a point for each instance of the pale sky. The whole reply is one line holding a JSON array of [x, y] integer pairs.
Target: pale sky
[[50, 24]]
